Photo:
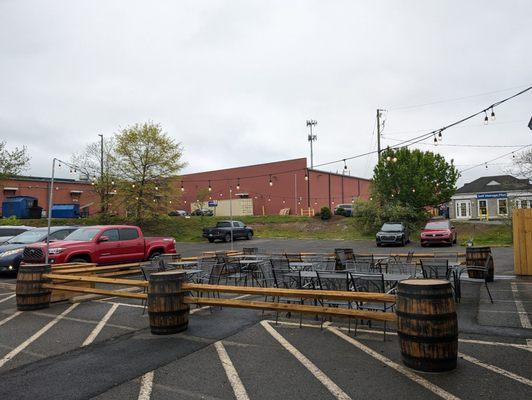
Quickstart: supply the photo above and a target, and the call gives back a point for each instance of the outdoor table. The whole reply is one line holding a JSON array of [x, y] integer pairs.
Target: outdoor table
[[183, 264], [300, 265]]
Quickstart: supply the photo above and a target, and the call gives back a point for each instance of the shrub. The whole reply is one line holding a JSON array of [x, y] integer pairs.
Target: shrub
[[370, 216], [325, 213]]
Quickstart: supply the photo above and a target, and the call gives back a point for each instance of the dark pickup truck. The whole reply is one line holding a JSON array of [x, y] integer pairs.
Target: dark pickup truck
[[222, 231]]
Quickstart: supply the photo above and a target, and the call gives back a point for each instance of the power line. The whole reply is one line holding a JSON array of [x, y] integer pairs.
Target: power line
[[495, 159], [453, 99]]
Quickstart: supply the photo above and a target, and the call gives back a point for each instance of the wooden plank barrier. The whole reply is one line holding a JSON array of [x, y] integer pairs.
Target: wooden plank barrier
[[522, 241]]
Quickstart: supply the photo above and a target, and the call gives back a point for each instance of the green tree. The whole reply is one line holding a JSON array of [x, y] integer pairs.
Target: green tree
[[413, 178], [147, 161], [12, 162], [90, 164]]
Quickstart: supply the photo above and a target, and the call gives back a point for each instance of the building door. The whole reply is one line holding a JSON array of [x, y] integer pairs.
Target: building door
[[483, 209], [463, 209]]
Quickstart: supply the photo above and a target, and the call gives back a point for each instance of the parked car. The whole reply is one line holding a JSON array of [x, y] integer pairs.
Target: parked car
[[12, 250], [393, 233], [9, 231], [105, 244], [344, 209], [438, 232], [222, 231], [203, 211], [178, 213]]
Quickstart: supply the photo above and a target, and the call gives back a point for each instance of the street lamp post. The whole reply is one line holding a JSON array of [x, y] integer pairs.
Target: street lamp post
[[231, 213], [50, 203]]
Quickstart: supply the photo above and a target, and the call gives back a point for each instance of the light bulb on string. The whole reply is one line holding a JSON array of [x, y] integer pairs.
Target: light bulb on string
[[388, 158], [486, 165], [435, 140], [394, 159], [486, 119], [238, 184], [492, 114], [271, 183], [345, 165], [210, 188], [439, 136], [182, 188], [413, 190], [306, 175]]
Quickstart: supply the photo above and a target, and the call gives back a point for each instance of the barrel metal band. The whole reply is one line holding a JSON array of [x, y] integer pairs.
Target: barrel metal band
[[168, 313], [427, 317], [428, 339], [419, 296]]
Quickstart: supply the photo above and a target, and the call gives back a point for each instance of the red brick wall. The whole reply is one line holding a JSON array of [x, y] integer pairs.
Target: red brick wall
[[39, 188], [289, 190]]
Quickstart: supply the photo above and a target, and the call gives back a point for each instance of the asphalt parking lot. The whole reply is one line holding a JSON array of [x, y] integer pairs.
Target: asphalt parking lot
[[103, 349]]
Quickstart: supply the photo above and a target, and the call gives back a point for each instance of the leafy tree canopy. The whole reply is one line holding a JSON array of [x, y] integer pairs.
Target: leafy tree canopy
[[12, 162], [413, 178]]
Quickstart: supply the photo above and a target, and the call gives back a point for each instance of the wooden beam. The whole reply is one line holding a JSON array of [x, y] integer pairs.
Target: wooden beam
[[105, 292], [296, 293], [101, 268], [121, 273], [297, 308], [96, 279]]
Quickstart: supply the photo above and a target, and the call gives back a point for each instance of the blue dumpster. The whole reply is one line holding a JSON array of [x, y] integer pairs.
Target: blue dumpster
[[18, 206], [65, 211]]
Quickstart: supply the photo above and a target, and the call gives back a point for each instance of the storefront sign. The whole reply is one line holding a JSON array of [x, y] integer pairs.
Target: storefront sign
[[492, 195]]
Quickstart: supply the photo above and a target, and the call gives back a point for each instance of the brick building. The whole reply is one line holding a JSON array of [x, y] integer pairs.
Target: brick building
[[275, 186], [66, 191]]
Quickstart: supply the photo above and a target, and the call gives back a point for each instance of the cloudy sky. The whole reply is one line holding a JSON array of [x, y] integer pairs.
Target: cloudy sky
[[235, 81]]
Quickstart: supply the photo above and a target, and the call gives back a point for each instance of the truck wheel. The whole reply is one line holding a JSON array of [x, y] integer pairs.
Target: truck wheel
[[249, 236], [227, 237], [155, 255], [211, 240], [78, 260]]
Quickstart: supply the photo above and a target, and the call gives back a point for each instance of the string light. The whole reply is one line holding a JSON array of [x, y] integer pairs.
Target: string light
[[182, 188], [394, 159], [133, 185], [413, 190], [435, 140], [440, 135], [156, 187], [388, 158], [271, 183], [492, 114], [238, 184], [306, 175], [486, 119], [210, 188], [345, 165]]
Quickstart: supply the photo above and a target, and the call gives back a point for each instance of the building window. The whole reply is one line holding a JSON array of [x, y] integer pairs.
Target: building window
[[482, 208], [463, 209], [502, 206]]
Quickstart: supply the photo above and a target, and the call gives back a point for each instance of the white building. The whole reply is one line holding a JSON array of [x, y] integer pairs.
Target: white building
[[491, 197]]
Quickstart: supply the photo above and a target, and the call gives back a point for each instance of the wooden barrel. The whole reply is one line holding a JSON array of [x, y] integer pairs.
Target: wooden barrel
[[427, 324], [166, 309], [30, 293], [477, 256]]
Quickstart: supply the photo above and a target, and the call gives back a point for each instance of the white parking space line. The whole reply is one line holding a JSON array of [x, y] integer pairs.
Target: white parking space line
[[2, 322], [523, 316], [497, 370], [6, 294], [313, 369], [146, 386], [35, 336], [97, 329], [7, 298], [238, 387], [376, 332], [399, 368]]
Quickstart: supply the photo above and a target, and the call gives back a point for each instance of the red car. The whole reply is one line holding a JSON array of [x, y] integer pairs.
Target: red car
[[438, 232], [106, 244]]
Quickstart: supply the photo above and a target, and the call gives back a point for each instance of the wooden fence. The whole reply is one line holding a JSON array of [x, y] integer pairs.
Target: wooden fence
[[522, 240]]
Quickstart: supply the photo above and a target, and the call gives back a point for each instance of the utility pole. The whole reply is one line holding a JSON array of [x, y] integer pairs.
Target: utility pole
[[379, 133], [102, 187], [311, 138]]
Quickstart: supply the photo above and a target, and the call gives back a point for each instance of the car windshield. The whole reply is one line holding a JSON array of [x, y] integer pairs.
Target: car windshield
[[27, 237], [223, 225], [83, 234], [344, 206], [392, 228], [11, 231], [437, 225]]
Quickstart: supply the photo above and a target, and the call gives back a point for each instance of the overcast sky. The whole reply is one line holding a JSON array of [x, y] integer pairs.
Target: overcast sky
[[235, 81]]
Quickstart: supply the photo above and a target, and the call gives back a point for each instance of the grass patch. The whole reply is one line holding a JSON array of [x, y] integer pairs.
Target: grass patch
[[286, 226]]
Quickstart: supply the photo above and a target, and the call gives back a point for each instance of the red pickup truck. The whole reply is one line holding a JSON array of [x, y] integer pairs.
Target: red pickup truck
[[106, 244]]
